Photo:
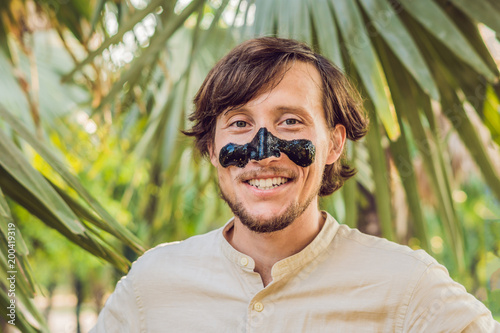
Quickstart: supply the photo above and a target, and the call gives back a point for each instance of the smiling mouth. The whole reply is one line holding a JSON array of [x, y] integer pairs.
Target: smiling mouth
[[268, 183]]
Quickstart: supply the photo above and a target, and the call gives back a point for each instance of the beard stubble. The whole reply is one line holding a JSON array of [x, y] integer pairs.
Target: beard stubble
[[275, 223]]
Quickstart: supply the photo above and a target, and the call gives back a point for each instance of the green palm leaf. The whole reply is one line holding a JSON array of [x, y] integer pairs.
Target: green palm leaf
[[112, 226], [437, 23], [384, 18], [18, 167], [365, 60], [481, 11], [326, 30]]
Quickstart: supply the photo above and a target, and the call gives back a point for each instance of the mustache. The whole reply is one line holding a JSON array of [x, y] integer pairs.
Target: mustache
[[267, 171]]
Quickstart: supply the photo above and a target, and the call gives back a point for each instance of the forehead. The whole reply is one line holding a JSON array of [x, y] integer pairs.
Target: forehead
[[299, 88]]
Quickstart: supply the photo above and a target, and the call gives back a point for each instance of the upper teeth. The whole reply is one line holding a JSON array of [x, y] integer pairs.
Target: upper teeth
[[268, 183]]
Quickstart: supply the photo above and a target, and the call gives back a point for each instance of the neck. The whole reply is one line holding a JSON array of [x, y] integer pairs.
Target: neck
[[268, 248]]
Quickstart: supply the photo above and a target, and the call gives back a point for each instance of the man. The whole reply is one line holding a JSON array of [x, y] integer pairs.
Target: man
[[273, 118]]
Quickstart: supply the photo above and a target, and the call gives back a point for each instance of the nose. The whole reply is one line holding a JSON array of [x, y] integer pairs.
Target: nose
[[266, 145], [264, 148]]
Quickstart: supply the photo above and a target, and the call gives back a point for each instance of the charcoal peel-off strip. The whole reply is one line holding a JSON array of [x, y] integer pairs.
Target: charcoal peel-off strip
[[265, 145]]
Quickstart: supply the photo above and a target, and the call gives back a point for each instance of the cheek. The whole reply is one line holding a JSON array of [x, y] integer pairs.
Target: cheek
[[301, 152], [314, 173], [225, 176]]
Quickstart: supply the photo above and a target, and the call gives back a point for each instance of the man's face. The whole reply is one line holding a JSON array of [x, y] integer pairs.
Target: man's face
[[269, 194]]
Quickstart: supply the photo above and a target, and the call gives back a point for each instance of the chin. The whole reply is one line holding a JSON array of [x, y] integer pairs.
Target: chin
[[267, 222], [266, 216], [267, 213]]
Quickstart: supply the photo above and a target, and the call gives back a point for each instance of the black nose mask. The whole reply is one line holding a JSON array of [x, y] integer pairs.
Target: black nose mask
[[264, 145]]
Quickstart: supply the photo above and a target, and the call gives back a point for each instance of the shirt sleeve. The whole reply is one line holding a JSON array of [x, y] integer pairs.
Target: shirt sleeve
[[121, 311], [439, 304]]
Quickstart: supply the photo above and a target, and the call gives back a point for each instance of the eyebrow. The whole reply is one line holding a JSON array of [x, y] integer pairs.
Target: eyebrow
[[290, 108], [231, 110]]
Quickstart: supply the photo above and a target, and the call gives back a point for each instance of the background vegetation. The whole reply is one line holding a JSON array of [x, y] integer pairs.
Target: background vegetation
[[94, 170]]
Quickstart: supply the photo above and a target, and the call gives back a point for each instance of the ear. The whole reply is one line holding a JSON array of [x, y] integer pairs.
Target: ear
[[213, 157], [336, 144]]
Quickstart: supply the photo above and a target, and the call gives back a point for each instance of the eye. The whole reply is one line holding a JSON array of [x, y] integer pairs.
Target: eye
[[291, 121], [240, 123]]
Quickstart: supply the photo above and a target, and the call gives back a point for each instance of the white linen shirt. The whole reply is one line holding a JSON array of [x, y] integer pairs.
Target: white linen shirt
[[343, 281]]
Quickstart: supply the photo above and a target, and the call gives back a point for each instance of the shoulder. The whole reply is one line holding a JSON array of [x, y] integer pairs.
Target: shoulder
[[167, 257], [372, 246], [379, 257]]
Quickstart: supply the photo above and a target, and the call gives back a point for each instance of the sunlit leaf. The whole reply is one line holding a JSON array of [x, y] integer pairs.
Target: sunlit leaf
[[14, 162], [481, 11], [265, 17], [127, 26], [384, 18], [326, 30], [381, 178], [114, 227], [491, 112], [435, 20], [147, 57], [365, 60], [96, 15]]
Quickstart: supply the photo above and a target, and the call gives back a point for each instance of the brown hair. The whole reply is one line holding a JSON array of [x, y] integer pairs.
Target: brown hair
[[258, 65]]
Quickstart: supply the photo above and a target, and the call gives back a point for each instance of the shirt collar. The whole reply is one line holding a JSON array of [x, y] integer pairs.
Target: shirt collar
[[238, 258], [289, 264]]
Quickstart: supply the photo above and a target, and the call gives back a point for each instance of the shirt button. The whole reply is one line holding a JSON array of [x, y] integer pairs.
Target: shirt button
[[243, 261], [258, 307]]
